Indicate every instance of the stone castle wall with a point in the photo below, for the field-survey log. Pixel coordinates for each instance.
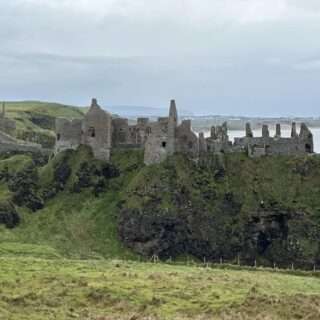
(187, 141)
(266, 145)
(166, 136)
(68, 134)
(156, 146)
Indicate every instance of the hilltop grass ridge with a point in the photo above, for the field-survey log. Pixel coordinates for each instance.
(35, 120)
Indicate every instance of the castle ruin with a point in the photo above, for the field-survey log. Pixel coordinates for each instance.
(166, 136)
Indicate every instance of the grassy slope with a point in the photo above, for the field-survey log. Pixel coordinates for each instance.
(82, 225)
(76, 224)
(13, 109)
(24, 111)
(268, 179)
(33, 288)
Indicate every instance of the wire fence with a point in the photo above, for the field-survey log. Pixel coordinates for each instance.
(297, 267)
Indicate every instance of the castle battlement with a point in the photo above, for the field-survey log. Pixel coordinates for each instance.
(166, 136)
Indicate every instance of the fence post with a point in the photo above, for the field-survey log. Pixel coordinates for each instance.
(221, 260)
(292, 266)
(255, 263)
(238, 260)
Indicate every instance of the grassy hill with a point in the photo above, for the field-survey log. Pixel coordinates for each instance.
(35, 119)
(264, 210)
(63, 224)
(75, 220)
(74, 232)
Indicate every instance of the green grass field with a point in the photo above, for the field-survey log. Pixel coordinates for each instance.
(50, 287)
(15, 108)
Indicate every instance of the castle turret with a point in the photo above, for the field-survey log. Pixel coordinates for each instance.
(249, 133)
(172, 125)
(278, 130)
(265, 131)
(202, 144)
(213, 133)
(173, 113)
(94, 103)
(224, 131)
(294, 130)
(219, 132)
(306, 137)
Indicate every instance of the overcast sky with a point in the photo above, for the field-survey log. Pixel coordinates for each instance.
(246, 57)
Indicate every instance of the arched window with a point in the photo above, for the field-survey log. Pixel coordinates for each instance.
(164, 144)
(58, 136)
(190, 145)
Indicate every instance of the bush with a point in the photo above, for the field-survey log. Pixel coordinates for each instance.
(24, 186)
(8, 214)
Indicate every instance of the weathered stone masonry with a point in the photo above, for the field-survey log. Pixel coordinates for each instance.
(166, 136)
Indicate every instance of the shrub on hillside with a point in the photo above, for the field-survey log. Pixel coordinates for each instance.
(24, 186)
(8, 214)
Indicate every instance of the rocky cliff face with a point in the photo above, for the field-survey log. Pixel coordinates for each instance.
(230, 209)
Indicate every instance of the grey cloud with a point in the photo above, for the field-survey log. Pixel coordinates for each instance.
(147, 55)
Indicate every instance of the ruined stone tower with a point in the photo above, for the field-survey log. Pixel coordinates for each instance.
(172, 125)
(161, 141)
(167, 138)
(96, 131)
